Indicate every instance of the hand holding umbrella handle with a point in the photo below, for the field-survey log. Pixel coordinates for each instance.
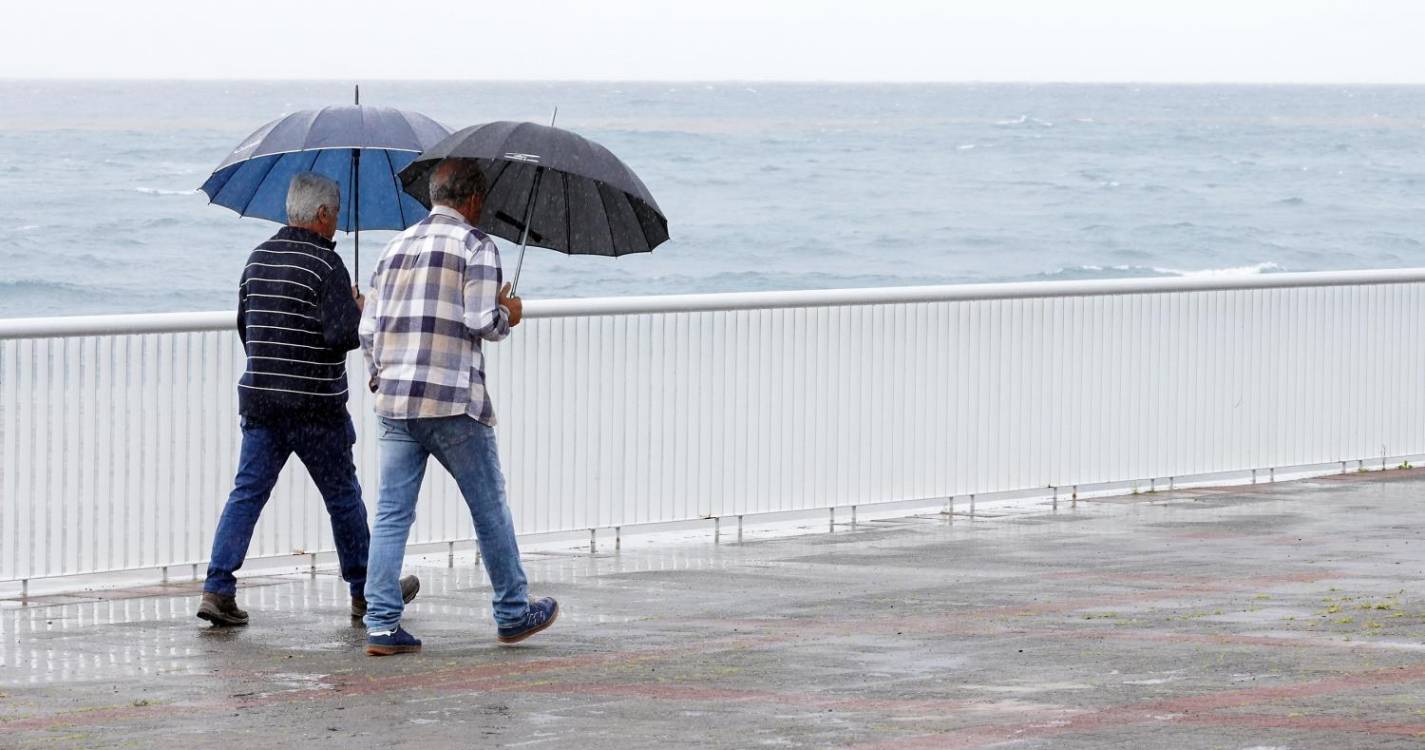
(507, 299)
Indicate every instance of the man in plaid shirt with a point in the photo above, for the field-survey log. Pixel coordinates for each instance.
(435, 295)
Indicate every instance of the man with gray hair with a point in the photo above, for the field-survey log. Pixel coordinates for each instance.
(297, 318)
(436, 294)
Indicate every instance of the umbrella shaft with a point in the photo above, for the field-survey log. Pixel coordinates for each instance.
(356, 209)
(524, 234)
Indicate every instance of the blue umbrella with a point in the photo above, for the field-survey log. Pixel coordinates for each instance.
(362, 148)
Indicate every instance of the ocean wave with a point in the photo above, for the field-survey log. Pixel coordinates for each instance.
(44, 290)
(1249, 270)
(1025, 120)
(1090, 271)
(163, 191)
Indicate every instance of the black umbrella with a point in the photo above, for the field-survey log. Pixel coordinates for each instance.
(550, 188)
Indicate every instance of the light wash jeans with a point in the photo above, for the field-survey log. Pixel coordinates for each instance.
(466, 448)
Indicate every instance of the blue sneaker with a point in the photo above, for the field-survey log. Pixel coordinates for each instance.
(541, 615)
(390, 642)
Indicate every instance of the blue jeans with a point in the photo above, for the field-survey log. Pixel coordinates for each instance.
(325, 449)
(466, 448)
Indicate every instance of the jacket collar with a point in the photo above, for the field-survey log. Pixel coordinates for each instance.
(297, 234)
(448, 212)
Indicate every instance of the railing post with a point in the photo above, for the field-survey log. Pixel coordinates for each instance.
(739, 529)
(853, 516)
(450, 555)
(1074, 503)
(972, 506)
(717, 530)
(1056, 496)
(593, 541)
(618, 537)
(831, 527)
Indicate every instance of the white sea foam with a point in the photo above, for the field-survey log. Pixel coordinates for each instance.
(162, 191)
(965, 147)
(1255, 268)
(1026, 120)
(1081, 271)
(25, 228)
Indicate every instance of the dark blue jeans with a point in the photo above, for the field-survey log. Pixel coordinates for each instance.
(325, 449)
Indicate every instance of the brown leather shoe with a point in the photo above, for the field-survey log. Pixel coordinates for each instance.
(410, 586)
(221, 610)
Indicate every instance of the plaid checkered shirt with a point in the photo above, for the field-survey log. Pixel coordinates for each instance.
(432, 300)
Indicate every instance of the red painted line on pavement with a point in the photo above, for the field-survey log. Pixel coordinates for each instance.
(1308, 723)
(693, 694)
(1195, 709)
(477, 677)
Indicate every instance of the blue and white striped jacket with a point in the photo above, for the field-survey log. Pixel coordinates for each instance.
(297, 320)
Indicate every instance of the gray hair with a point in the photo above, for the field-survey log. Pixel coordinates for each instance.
(307, 194)
(454, 181)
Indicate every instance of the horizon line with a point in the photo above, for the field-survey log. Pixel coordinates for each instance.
(709, 81)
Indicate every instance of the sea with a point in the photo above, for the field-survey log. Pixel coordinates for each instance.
(765, 186)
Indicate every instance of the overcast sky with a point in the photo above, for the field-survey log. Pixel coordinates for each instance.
(1380, 41)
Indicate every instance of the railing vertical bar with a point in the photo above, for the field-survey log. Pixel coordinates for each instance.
(9, 460)
(42, 500)
(86, 498)
(688, 371)
(704, 466)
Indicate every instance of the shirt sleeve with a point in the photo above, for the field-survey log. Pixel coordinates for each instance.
(242, 311)
(366, 330)
(484, 315)
(339, 312)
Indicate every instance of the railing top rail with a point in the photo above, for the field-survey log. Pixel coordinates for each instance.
(105, 325)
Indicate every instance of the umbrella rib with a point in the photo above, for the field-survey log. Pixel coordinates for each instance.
(416, 139)
(258, 188)
(639, 219)
(568, 215)
(608, 220)
(396, 183)
(504, 167)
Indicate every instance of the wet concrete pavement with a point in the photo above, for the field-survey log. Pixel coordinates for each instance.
(1281, 616)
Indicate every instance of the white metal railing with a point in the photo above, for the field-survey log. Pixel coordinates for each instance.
(118, 434)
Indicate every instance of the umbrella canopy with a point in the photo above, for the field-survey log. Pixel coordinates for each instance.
(572, 194)
(354, 145)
